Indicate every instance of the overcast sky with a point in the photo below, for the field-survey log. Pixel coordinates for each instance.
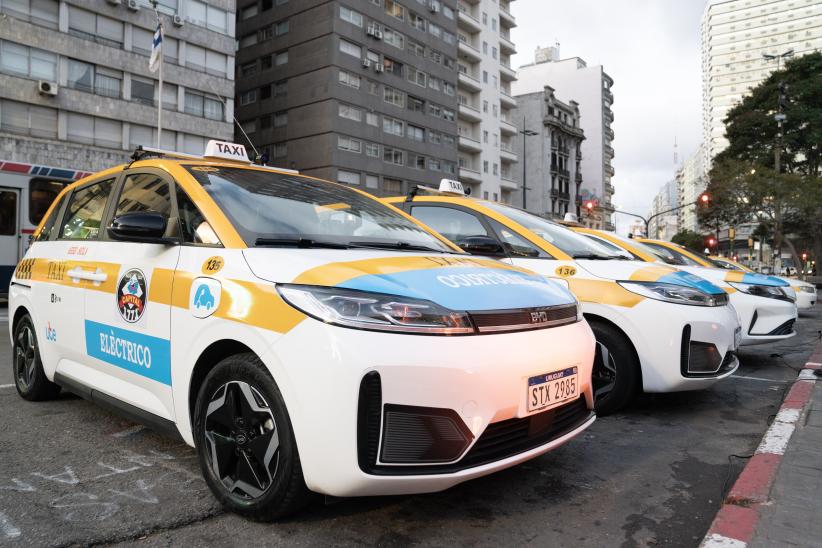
(651, 50)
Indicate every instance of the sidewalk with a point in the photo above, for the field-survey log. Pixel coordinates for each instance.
(777, 498)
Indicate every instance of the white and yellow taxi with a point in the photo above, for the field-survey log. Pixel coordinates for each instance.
(302, 335)
(765, 304)
(658, 329)
(806, 294)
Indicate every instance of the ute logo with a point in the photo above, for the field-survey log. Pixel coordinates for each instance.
(132, 295)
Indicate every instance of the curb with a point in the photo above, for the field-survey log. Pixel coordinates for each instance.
(736, 521)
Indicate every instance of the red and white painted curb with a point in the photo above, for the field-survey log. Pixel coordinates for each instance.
(736, 521)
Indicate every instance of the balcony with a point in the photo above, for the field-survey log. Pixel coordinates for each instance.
(609, 133)
(507, 127)
(609, 170)
(468, 112)
(608, 96)
(507, 183)
(467, 80)
(554, 193)
(506, 46)
(505, 17)
(507, 154)
(467, 142)
(468, 51)
(608, 151)
(506, 100)
(470, 175)
(506, 73)
(578, 178)
(608, 188)
(467, 18)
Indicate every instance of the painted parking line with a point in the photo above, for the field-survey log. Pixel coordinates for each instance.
(759, 379)
(6, 386)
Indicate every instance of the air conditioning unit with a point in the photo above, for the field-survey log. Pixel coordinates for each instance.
(379, 67)
(133, 5)
(47, 88)
(366, 63)
(378, 35)
(372, 30)
(434, 8)
(177, 19)
(115, 2)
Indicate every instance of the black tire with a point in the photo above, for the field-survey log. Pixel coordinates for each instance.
(615, 385)
(241, 440)
(29, 377)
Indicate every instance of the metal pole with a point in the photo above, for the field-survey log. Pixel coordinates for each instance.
(524, 156)
(160, 99)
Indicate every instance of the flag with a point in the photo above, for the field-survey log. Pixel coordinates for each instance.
(156, 49)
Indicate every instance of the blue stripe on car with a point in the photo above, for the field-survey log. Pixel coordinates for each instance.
(691, 280)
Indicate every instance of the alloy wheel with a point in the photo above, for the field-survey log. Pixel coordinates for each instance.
(603, 375)
(25, 358)
(243, 441)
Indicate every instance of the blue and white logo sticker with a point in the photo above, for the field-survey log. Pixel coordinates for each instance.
(142, 354)
(204, 298)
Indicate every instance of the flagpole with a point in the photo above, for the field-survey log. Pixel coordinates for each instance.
(160, 91)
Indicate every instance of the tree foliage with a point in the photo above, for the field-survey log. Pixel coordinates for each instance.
(689, 238)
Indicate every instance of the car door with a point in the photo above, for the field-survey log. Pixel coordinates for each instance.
(127, 316)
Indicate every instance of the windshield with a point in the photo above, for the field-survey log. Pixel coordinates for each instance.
(278, 209)
(722, 264)
(612, 247)
(670, 256)
(575, 245)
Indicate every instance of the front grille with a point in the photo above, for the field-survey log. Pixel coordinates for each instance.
(525, 318)
(504, 439)
(416, 435)
(784, 329)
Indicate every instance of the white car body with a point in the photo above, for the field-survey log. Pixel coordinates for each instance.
(196, 300)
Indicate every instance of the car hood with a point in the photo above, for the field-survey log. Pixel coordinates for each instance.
(638, 271)
(753, 278)
(455, 281)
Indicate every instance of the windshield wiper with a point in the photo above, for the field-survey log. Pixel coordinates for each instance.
(302, 243)
(405, 246)
(595, 256)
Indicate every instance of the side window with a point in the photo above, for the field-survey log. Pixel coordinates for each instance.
(42, 193)
(48, 226)
(193, 225)
(451, 223)
(8, 213)
(515, 245)
(85, 211)
(144, 192)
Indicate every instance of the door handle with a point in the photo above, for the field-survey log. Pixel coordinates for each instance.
(80, 274)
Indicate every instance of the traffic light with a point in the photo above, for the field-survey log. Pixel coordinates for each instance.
(711, 241)
(804, 256)
(589, 206)
(704, 199)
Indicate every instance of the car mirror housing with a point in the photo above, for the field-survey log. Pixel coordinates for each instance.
(146, 227)
(481, 245)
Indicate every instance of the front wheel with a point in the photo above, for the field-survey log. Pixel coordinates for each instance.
(616, 370)
(29, 377)
(245, 443)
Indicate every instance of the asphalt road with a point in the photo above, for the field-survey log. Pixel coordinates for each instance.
(72, 473)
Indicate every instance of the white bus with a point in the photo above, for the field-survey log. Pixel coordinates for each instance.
(26, 192)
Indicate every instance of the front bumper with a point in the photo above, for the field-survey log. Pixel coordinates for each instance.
(805, 300)
(764, 320)
(480, 380)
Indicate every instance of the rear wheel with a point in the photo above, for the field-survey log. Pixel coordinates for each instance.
(616, 369)
(245, 443)
(29, 377)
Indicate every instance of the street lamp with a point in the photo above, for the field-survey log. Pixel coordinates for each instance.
(525, 133)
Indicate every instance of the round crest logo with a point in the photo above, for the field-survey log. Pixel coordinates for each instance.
(132, 295)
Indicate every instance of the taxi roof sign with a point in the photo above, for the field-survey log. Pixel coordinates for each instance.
(450, 186)
(226, 151)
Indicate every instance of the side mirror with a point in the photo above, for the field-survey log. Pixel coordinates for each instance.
(147, 227)
(481, 245)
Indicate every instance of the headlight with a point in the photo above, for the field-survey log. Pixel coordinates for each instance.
(377, 311)
(807, 289)
(769, 291)
(672, 293)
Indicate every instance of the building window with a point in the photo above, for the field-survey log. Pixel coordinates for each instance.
(142, 90)
(265, 92)
(485, 170)
(281, 58)
(353, 17)
(249, 126)
(97, 28)
(204, 15)
(281, 27)
(25, 61)
(280, 150)
(415, 133)
(416, 48)
(248, 97)
(281, 118)
(394, 97)
(350, 48)
(415, 104)
(372, 149)
(281, 88)
(496, 172)
(28, 119)
(417, 21)
(393, 156)
(395, 9)
(392, 66)
(248, 69)
(348, 177)
(392, 186)
(417, 76)
(265, 122)
(40, 12)
(484, 136)
(434, 164)
(485, 106)
(494, 52)
(94, 131)
(372, 119)
(434, 30)
(249, 12)
(416, 161)
(350, 112)
(200, 105)
(393, 38)
(485, 77)
(393, 126)
(372, 181)
(349, 79)
(349, 144)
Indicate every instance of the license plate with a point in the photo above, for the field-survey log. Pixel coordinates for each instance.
(551, 389)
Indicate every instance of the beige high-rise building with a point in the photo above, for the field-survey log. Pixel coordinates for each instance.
(735, 35)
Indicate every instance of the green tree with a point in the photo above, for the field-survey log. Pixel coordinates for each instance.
(744, 184)
(690, 239)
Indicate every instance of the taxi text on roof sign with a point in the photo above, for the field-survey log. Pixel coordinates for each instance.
(450, 186)
(226, 151)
